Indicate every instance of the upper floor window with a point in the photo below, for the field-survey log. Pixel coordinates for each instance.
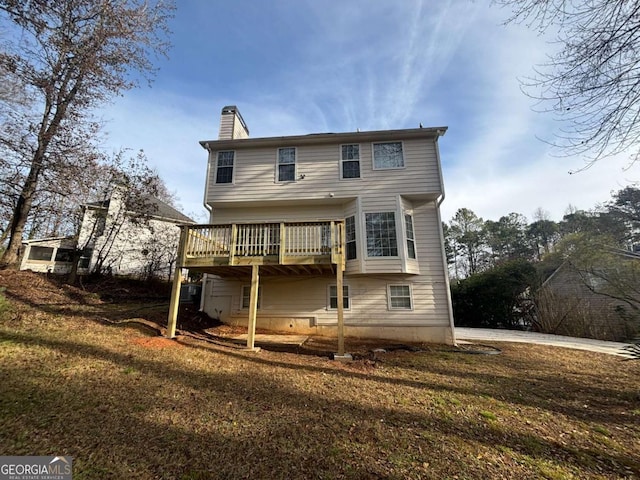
(381, 234)
(411, 241)
(350, 161)
(286, 164)
(350, 237)
(387, 155)
(224, 167)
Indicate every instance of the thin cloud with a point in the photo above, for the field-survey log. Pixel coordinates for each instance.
(307, 67)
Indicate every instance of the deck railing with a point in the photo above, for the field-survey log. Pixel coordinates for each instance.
(286, 242)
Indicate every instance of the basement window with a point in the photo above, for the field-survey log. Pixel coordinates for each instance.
(246, 297)
(399, 297)
(333, 297)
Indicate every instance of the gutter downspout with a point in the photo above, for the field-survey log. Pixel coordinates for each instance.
(205, 277)
(444, 255)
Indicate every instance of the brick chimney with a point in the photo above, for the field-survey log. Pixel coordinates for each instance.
(232, 125)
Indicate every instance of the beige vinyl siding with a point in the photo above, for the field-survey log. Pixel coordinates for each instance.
(428, 250)
(255, 175)
(291, 213)
(226, 127)
(238, 130)
(307, 297)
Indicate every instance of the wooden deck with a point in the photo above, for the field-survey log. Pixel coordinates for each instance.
(258, 249)
(282, 248)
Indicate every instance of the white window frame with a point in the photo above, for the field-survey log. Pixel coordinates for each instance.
(389, 306)
(342, 160)
(295, 165)
(413, 235)
(233, 168)
(248, 296)
(395, 233)
(355, 238)
(348, 297)
(373, 156)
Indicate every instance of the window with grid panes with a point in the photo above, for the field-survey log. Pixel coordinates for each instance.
(381, 234)
(350, 159)
(333, 297)
(286, 164)
(224, 167)
(350, 237)
(411, 241)
(399, 297)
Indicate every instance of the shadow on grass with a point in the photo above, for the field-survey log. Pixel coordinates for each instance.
(118, 427)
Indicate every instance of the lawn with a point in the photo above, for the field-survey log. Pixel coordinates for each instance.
(127, 404)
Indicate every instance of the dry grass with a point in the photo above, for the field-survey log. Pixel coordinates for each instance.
(126, 404)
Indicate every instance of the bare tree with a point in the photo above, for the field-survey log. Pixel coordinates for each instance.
(69, 56)
(592, 83)
(120, 217)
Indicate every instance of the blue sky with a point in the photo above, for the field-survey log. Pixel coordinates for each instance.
(308, 66)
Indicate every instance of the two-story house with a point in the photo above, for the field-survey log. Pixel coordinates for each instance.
(139, 243)
(301, 215)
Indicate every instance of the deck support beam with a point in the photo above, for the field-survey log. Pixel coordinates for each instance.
(253, 307)
(175, 302)
(340, 293)
(177, 284)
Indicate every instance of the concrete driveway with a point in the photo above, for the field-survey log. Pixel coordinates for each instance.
(490, 335)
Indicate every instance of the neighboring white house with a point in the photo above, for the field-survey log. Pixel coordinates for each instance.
(124, 242)
(299, 207)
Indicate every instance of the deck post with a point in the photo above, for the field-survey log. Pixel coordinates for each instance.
(177, 283)
(253, 307)
(175, 302)
(338, 236)
(340, 293)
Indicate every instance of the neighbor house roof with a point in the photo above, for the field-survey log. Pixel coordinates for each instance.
(567, 263)
(47, 239)
(160, 209)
